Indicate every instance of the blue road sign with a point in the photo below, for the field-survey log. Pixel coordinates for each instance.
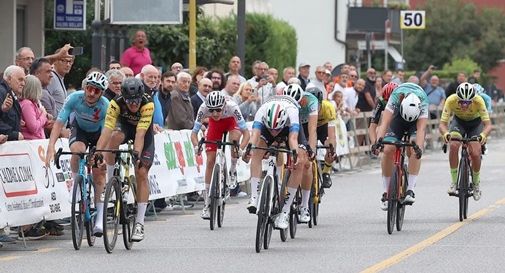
(70, 14)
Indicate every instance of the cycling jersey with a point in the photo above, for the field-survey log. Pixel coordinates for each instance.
(230, 109)
(142, 119)
(288, 103)
(402, 91)
(308, 107)
(327, 114)
(488, 101)
(88, 118)
(477, 109)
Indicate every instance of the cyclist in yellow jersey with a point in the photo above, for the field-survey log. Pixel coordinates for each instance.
(326, 122)
(470, 119)
(129, 117)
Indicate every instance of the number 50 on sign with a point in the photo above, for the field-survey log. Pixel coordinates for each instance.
(412, 19)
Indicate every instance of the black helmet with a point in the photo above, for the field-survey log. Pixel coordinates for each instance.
(132, 88)
(316, 92)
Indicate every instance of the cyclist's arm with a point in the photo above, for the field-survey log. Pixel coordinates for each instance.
(110, 124)
(387, 116)
(293, 140)
(372, 132)
(332, 138)
(255, 136)
(313, 132)
(487, 127)
(421, 131)
(146, 117)
(443, 128)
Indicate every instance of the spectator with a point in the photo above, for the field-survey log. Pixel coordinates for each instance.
(56, 87)
(328, 65)
(204, 88)
(114, 65)
(341, 85)
(149, 76)
(379, 83)
(287, 73)
(198, 74)
(303, 74)
(232, 86)
(387, 77)
(128, 72)
(451, 89)
(41, 68)
(351, 96)
(353, 77)
(399, 78)
(338, 102)
(115, 78)
(318, 82)
(11, 88)
(35, 117)
(366, 95)
(435, 93)
(234, 67)
(247, 101)
(475, 78)
(176, 68)
(217, 78)
(413, 79)
(255, 71)
(168, 82)
(273, 75)
(138, 55)
(25, 58)
(180, 115)
(264, 88)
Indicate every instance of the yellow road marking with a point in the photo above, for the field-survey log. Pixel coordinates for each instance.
(430, 240)
(9, 258)
(45, 250)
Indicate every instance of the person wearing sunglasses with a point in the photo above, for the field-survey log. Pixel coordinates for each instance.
(471, 119)
(224, 116)
(130, 117)
(88, 108)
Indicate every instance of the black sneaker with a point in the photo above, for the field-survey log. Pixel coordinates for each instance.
(410, 197)
(326, 181)
(33, 234)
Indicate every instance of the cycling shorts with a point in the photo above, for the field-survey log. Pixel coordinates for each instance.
(88, 138)
(469, 128)
(322, 132)
(129, 131)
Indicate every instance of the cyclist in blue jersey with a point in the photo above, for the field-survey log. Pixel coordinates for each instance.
(89, 108)
(487, 99)
(309, 106)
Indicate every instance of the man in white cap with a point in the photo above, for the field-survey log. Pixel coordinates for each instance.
(303, 74)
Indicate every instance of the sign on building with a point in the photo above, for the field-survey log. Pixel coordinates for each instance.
(70, 14)
(127, 12)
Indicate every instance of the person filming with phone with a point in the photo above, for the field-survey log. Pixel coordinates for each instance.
(436, 94)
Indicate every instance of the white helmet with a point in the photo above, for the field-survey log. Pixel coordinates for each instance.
(410, 108)
(275, 117)
(293, 90)
(214, 99)
(97, 80)
(465, 91)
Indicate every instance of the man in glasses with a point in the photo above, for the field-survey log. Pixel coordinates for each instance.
(130, 117)
(224, 116)
(89, 108)
(471, 119)
(318, 82)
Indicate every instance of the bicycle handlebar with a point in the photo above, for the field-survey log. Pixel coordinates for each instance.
(464, 140)
(60, 152)
(274, 151)
(219, 143)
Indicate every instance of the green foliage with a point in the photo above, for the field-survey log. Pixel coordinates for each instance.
(466, 65)
(456, 30)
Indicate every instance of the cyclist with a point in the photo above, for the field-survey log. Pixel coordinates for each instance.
(377, 112)
(326, 122)
(88, 109)
(406, 114)
(277, 121)
(129, 117)
(224, 116)
(479, 90)
(470, 115)
(308, 118)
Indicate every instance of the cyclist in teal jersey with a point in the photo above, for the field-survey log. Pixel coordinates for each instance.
(487, 99)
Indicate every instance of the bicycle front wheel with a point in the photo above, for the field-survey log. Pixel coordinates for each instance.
(463, 189)
(282, 196)
(262, 215)
(400, 211)
(78, 213)
(112, 205)
(293, 215)
(392, 201)
(271, 200)
(214, 196)
(129, 215)
(90, 237)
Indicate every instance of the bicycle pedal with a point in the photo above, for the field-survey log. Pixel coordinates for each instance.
(454, 194)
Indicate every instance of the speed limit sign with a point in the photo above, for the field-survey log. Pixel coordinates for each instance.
(412, 19)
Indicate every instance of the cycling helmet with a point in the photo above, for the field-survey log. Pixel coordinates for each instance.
(316, 92)
(275, 117)
(388, 89)
(97, 80)
(465, 91)
(478, 88)
(132, 88)
(215, 99)
(410, 108)
(294, 90)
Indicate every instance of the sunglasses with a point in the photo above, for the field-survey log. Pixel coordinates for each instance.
(133, 101)
(216, 110)
(94, 90)
(465, 102)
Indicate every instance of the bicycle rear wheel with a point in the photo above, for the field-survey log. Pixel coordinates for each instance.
(269, 225)
(78, 210)
(315, 200)
(262, 216)
(112, 208)
(463, 189)
(392, 201)
(129, 215)
(400, 211)
(214, 196)
(282, 194)
(90, 237)
(221, 205)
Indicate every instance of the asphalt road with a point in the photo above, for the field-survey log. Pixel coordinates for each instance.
(351, 235)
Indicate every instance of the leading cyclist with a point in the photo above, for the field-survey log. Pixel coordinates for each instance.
(471, 119)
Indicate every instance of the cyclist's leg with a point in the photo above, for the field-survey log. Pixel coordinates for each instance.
(256, 164)
(118, 136)
(394, 133)
(457, 131)
(306, 182)
(99, 181)
(215, 132)
(295, 179)
(234, 135)
(77, 144)
(475, 154)
(326, 134)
